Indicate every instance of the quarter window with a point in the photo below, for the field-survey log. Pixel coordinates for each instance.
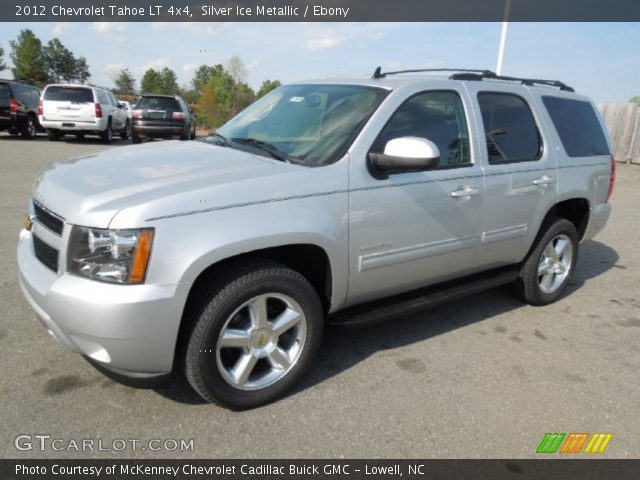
(510, 130)
(578, 127)
(438, 117)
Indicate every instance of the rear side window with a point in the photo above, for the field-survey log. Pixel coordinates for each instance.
(158, 103)
(5, 94)
(510, 129)
(69, 94)
(578, 127)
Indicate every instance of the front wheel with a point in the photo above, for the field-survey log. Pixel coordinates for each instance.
(30, 130)
(126, 132)
(549, 266)
(254, 336)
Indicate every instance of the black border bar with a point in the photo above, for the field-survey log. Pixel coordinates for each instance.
(320, 10)
(547, 468)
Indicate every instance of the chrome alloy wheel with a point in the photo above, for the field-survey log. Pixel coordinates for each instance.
(261, 341)
(555, 264)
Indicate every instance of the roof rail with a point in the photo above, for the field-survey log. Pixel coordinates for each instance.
(380, 74)
(470, 74)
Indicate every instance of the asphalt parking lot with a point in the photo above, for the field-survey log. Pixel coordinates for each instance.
(486, 377)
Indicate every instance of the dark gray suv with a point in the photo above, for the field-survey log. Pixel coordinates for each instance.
(162, 116)
(19, 108)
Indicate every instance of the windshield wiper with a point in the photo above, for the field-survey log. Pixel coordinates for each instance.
(263, 146)
(219, 139)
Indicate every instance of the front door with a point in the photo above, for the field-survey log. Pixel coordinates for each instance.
(414, 229)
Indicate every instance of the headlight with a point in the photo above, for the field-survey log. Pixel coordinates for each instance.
(116, 256)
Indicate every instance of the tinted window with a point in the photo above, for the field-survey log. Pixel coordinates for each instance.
(158, 103)
(5, 94)
(69, 94)
(510, 129)
(578, 127)
(436, 116)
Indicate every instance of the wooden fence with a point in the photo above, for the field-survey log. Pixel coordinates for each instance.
(623, 122)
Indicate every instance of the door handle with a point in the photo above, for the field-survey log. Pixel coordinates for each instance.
(543, 180)
(465, 191)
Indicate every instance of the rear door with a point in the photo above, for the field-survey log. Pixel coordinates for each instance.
(159, 111)
(520, 172)
(68, 103)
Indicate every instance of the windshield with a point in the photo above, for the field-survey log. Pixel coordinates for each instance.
(308, 124)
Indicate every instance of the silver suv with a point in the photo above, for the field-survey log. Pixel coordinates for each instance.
(348, 200)
(82, 110)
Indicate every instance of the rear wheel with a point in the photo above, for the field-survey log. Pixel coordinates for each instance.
(53, 135)
(549, 266)
(80, 136)
(30, 129)
(107, 134)
(185, 133)
(135, 138)
(253, 336)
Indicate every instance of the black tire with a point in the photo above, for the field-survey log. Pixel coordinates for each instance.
(107, 135)
(80, 136)
(30, 129)
(192, 136)
(135, 139)
(185, 134)
(243, 284)
(54, 135)
(126, 133)
(530, 287)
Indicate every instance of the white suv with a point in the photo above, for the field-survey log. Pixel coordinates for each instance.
(81, 110)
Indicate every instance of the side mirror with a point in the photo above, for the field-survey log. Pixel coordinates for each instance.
(405, 154)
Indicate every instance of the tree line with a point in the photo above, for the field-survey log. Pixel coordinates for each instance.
(218, 91)
(41, 63)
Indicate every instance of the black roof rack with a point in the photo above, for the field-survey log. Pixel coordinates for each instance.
(478, 75)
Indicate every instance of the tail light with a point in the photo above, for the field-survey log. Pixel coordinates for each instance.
(13, 106)
(613, 179)
(136, 114)
(98, 110)
(178, 116)
(41, 109)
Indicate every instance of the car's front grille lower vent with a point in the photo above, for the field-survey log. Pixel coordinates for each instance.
(48, 219)
(46, 254)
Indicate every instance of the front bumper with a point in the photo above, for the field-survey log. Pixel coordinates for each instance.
(128, 329)
(598, 218)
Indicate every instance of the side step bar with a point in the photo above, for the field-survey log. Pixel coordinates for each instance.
(404, 304)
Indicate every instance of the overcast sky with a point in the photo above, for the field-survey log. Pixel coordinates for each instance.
(601, 60)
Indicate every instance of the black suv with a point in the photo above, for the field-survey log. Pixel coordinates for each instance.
(19, 104)
(162, 116)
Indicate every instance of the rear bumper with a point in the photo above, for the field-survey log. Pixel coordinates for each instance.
(13, 122)
(75, 125)
(157, 131)
(598, 218)
(130, 330)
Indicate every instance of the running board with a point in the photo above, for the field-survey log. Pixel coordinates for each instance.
(418, 300)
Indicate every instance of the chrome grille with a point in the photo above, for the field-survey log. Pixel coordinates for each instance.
(48, 219)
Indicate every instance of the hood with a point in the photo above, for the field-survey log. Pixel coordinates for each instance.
(91, 189)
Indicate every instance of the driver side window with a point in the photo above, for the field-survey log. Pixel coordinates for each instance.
(437, 116)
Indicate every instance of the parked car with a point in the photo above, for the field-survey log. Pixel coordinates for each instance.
(162, 116)
(347, 200)
(19, 108)
(81, 110)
